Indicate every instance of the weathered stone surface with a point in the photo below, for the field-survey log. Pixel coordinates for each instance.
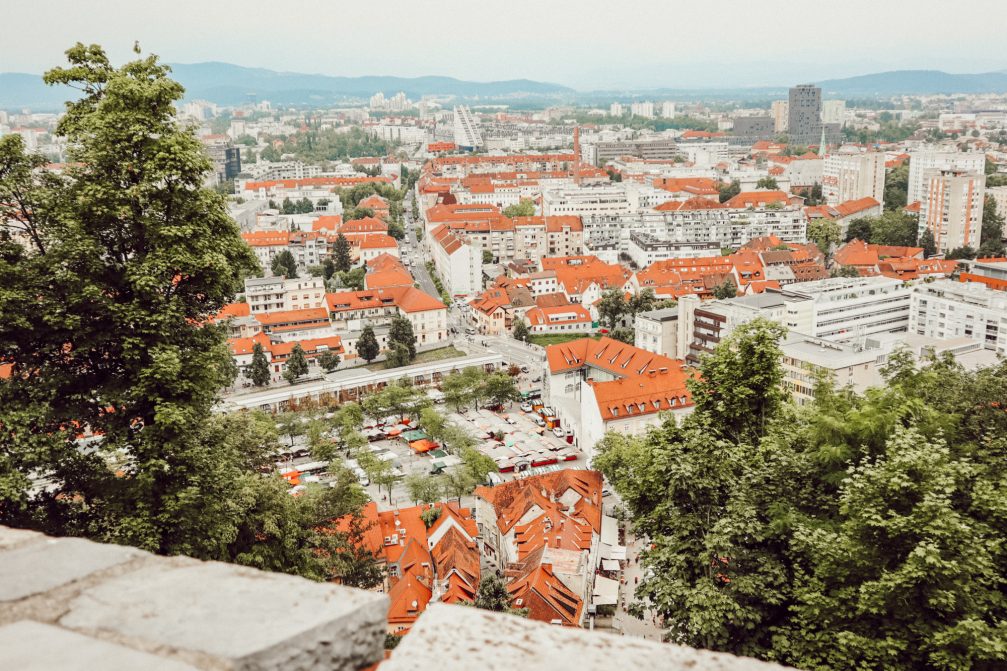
(33, 646)
(38, 567)
(252, 619)
(457, 638)
(11, 537)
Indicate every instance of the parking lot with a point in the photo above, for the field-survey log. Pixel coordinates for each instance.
(513, 438)
(519, 443)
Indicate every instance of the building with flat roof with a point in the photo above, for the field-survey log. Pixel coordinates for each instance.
(657, 331)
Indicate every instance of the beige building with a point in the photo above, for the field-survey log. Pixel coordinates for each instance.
(657, 332)
(952, 208)
(852, 176)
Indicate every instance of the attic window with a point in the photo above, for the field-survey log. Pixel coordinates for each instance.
(615, 411)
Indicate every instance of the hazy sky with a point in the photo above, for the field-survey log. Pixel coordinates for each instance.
(585, 44)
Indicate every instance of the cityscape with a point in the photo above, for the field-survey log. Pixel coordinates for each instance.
(428, 368)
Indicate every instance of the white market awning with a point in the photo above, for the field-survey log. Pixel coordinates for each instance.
(606, 591)
(610, 565)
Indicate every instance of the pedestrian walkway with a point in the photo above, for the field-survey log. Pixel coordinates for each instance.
(632, 573)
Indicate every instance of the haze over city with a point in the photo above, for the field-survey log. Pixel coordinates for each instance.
(528, 336)
(599, 44)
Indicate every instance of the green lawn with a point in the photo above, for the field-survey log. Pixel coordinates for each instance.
(425, 357)
(546, 339)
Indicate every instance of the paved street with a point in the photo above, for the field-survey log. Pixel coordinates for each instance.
(623, 621)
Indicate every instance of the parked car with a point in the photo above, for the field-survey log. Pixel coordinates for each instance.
(558, 432)
(526, 407)
(470, 331)
(539, 421)
(525, 369)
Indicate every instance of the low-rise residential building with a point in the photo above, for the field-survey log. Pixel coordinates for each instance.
(606, 385)
(657, 331)
(459, 263)
(945, 309)
(352, 310)
(273, 294)
(559, 319)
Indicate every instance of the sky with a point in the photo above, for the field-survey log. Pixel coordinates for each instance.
(587, 44)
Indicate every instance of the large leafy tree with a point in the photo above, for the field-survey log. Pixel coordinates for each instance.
(856, 532)
(400, 332)
(296, 366)
(110, 274)
(992, 233)
(258, 371)
(367, 344)
(284, 264)
(611, 307)
(341, 254)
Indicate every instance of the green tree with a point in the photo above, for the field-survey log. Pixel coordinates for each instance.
(296, 366)
(329, 361)
(641, 302)
(463, 387)
(859, 229)
(626, 335)
(492, 594)
(825, 233)
(341, 254)
(611, 307)
(767, 183)
(487, 256)
(123, 344)
(367, 344)
(433, 423)
(991, 235)
(285, 264)
(740, 383)
(521, 330)
(965, 252)
(897, 187)
(400, 332)
(857, 532)
(526, 208)
(500, 389)
(726, 289)
(477, 464)
(397, 356)
(423, 488)
(379, 471)
(928, 243)
(258, 371)
(291, 425)
(729, 191)
(844, 271)
(288, 207)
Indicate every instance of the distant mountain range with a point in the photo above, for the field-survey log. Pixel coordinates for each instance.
(916, 82)
(227, 84)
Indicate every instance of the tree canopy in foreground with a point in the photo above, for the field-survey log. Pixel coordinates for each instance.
(109, 276)
(857, 532)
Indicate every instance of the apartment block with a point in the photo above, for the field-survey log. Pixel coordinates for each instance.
(946, 309)
(951, 208)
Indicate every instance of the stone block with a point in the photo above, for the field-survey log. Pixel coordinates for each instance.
(33, 646)
(459, 638)
(11, 537)
(234, 617)
(38, 567)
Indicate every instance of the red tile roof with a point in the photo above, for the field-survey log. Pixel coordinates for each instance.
(647, 383)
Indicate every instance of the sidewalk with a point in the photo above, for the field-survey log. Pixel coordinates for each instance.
(623, 621)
